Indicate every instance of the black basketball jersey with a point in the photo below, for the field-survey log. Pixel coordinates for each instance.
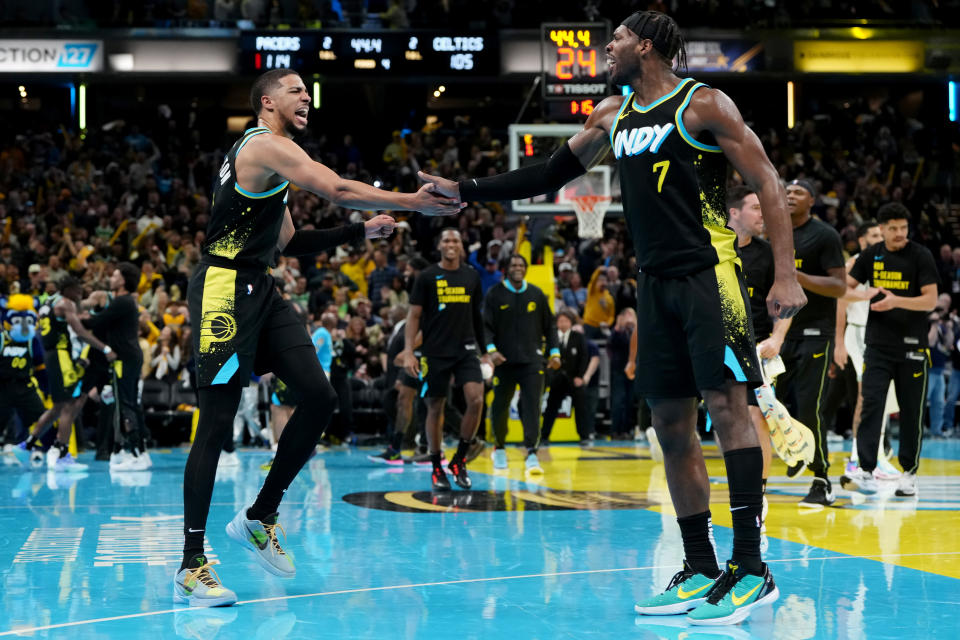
(244, 226)
(673, 187)
(54, 332)
(16, 358)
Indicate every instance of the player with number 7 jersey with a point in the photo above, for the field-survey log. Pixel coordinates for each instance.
(672, 139)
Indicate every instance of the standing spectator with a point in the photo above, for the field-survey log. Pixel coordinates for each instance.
(621, 387)
(598, 311)
(941, 338)
(568, 379)
(591, 385)
(489, 274)
(953, 384)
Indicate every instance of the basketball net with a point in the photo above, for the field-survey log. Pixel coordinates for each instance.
(590, 210)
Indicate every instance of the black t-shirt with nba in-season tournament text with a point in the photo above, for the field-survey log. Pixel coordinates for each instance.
(452, 320)
(902, 273)
(817, 249)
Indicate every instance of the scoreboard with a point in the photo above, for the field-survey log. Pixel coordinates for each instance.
(574, 68)
(425, 54)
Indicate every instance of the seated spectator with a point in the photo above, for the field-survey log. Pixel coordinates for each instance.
(165, 356)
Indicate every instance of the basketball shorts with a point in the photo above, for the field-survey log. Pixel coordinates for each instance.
(63, 375)
(695, 333)
(283, 396)
(240, 322)
(436, 373)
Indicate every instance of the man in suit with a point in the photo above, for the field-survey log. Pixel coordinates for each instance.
(568, 379)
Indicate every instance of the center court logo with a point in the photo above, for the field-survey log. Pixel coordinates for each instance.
(217, 326)
(480, 501)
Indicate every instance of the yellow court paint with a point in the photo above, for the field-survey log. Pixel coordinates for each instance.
(917, 533)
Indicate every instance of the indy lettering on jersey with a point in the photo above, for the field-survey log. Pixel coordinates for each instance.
(632, 142)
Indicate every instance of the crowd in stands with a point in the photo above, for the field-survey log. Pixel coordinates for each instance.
(73, 205)
(402, 14)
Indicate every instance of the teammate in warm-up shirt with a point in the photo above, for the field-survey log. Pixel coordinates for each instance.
(903, 276)
(446, 305)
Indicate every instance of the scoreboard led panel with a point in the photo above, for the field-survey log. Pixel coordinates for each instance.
(384, 53)
(574, 68)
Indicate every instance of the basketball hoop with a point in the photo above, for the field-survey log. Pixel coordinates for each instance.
(590, 210)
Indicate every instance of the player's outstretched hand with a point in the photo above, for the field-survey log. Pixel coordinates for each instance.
(785, 299)
(444, 187)
(430, 202)
(380, 226)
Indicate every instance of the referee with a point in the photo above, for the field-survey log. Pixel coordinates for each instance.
(808, 348)
(517, 322)
(904, 278)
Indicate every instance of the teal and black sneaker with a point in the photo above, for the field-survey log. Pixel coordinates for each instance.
(260, 537)
(199, 586)
(686, 590)
(734, 595)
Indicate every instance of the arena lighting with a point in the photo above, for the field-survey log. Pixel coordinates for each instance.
(82, 120)
(952, 100)
(441, 88)
(436, 94)
(377, 184)
(790, 113)
(316, 95)
(73, 100)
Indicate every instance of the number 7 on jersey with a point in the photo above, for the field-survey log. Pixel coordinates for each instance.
(663, 167)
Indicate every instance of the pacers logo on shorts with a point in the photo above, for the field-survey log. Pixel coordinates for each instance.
(423, 367)
(216, 326)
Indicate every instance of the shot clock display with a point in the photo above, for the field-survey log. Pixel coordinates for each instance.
(574, 68)
(386, 53)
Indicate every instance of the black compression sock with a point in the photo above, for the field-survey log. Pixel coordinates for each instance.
(64, 449)
(192, 547)
(437, 458)
(698, 544)
(462, 450)
(763, 484)
(744, 468)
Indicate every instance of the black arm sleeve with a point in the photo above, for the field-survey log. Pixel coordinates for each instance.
(489, 322)
(561, 168)
(477, 301)
(308, 242)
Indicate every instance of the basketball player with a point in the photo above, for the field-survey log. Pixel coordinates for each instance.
(519, 327)
(672, 139)
(746, 219)
(56, 317)
(905, 277)
(244, 324)
(446, 305)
